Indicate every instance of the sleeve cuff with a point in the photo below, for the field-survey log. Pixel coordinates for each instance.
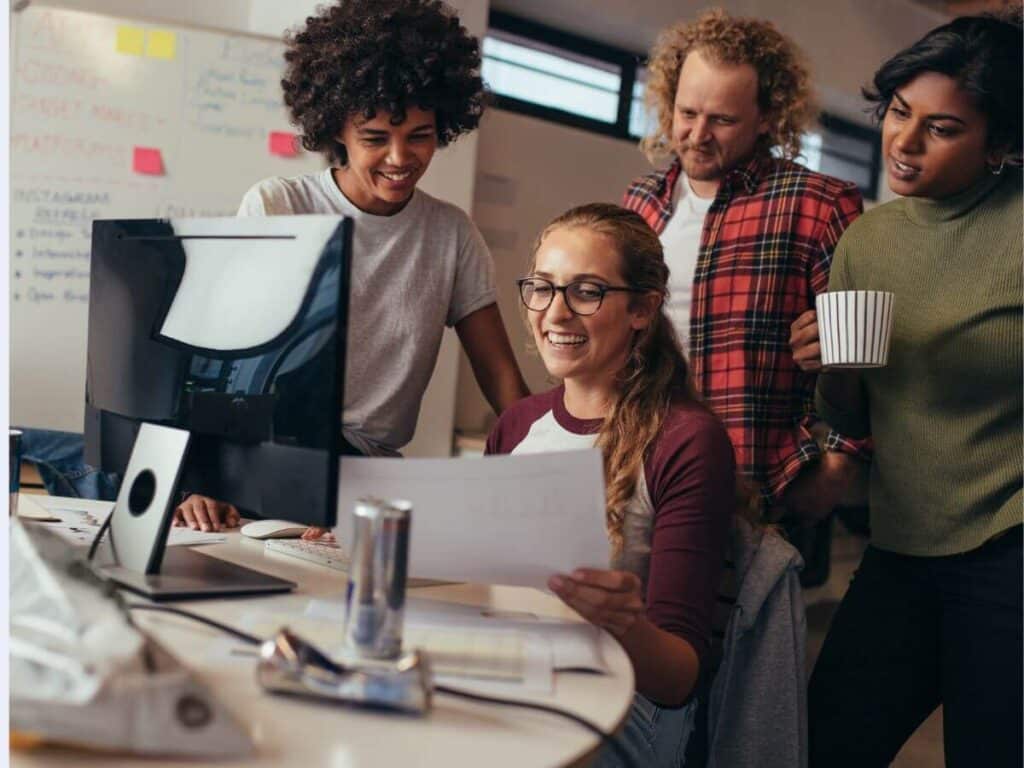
(803, 451)
(862, 448)
(484, 300)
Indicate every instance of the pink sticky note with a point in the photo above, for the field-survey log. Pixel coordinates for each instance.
(148, 160)
(283, 144)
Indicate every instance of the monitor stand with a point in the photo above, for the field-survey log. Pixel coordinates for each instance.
(140, 523)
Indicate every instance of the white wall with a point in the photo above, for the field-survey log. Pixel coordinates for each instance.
(232, 15)
(451, 175)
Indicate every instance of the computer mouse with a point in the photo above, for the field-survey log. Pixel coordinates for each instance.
(272, 529)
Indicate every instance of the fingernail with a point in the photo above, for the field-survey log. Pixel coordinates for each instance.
(206, 527)
(557, 583)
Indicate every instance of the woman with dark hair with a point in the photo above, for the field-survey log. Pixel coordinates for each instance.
(934, 613)
(594, 297)
(377, 86)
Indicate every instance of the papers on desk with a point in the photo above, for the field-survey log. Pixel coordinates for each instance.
(465, 641)
(504, 654)
(501, 520)
(79, 520)
(485, 661)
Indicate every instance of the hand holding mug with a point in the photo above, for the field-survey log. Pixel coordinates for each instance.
(803, 340)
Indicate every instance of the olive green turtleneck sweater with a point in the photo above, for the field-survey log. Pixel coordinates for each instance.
(946, 412)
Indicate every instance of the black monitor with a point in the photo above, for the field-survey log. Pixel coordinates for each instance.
(225, 337)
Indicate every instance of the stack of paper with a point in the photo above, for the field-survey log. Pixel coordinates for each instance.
(475, 643)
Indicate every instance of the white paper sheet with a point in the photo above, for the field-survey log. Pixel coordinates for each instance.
(498, 520)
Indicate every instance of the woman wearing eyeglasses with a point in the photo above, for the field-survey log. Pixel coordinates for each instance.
(594, 296)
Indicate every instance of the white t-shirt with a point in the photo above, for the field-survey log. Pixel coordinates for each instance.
(681, 241)
(413, 273)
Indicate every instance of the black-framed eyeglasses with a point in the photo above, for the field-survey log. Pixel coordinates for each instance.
(583, 297)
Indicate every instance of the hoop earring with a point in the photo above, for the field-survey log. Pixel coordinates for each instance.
(999, 170)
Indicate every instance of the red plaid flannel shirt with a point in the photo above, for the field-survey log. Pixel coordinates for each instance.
(765, 253)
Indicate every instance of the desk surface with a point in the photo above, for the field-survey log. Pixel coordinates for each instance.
(290, 732)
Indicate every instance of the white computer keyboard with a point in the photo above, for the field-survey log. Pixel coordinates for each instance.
(322, 553)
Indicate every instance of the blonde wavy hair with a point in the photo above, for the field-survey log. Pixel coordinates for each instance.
(783, 82)
(656, 373)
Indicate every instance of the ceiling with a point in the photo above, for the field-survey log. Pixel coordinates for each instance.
(634, 25)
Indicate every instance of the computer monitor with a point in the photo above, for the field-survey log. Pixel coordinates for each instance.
(226, 337)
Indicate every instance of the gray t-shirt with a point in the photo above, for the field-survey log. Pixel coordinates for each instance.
(413, 273)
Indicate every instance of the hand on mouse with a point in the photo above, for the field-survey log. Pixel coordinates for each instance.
(206, 514)
(317, 534)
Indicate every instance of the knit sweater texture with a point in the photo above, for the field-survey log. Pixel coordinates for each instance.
(946, 412)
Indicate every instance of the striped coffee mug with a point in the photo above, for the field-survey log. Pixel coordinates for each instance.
(854, 328)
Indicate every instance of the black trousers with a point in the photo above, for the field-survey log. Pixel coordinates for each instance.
(915, 632)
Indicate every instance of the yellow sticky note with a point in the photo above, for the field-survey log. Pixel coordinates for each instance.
(129, 40)
(160, 44)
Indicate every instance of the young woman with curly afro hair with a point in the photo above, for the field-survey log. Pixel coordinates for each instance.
(377, 86)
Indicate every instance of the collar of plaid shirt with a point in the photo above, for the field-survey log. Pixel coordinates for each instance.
(765, 252)
(657, 192)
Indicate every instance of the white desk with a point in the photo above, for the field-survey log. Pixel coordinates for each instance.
(291, 732)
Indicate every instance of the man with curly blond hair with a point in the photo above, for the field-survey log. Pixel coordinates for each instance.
(748, 235)
(378, 86)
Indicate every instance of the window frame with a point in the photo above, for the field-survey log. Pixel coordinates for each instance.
(626, 61)
(873, 135)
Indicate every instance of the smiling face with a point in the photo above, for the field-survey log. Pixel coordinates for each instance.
(385, 161)
(585, 351)
(933, 138)
(716, 121)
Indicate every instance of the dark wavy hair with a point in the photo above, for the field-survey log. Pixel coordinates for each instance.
(359, 56)
(983, 54)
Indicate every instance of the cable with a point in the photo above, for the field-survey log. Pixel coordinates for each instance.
(607, 739)
(98, 537)
(243, 636)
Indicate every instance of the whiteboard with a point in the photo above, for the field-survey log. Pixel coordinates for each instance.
(87, 91)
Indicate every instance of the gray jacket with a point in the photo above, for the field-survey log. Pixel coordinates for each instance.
(757, 711)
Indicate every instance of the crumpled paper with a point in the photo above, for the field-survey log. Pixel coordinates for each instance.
(82, 674)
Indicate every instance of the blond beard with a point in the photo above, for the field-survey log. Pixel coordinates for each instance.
(704, 172)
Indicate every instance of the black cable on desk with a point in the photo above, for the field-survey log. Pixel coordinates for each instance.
(243, 636)
(606, 738)
(99, 536)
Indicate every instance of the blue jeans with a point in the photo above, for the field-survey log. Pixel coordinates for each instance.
(60, 459)
(655, 737)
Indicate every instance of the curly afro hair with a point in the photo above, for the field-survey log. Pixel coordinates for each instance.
(357, 56)
(783, 83)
